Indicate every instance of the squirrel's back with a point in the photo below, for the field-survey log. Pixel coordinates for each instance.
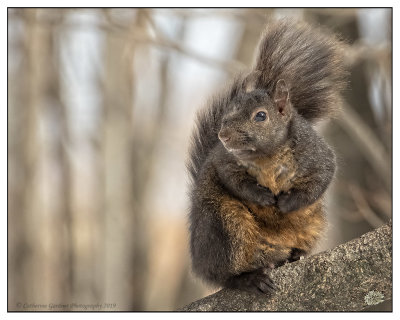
(308, 59)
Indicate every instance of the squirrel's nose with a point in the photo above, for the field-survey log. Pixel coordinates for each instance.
(223, 137)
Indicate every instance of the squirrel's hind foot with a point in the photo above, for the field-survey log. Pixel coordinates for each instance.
(257, 281)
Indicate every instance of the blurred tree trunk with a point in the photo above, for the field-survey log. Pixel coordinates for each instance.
(62, 261)
(40, 252)
(23, 156)
(125, 253)
(253, 21)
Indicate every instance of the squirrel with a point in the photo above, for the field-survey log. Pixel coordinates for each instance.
(258, 168)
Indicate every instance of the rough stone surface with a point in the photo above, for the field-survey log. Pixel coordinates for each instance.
(340, 279)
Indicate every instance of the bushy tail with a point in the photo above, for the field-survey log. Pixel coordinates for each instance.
(309, 60)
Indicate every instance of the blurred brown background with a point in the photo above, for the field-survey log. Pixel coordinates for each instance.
(101, 104)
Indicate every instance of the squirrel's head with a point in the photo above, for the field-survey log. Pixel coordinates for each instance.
(257, 123)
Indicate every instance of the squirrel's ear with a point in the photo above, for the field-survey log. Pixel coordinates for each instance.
(250, 82)
(281, 96)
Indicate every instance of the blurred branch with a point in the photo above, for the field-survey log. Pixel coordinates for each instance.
(378, 199)
(230, 66)
(383, 201)
(367, 142)
(363, 51)
(219, 13)
(336, 12)
(350, 277)
(359, 199)
(336, 18)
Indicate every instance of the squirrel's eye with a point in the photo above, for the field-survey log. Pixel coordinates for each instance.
(260, 116)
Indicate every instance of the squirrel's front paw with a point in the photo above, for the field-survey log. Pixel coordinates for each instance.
(264, 196)
(287, 202)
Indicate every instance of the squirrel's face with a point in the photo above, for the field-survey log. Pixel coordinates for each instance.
(256, 124)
